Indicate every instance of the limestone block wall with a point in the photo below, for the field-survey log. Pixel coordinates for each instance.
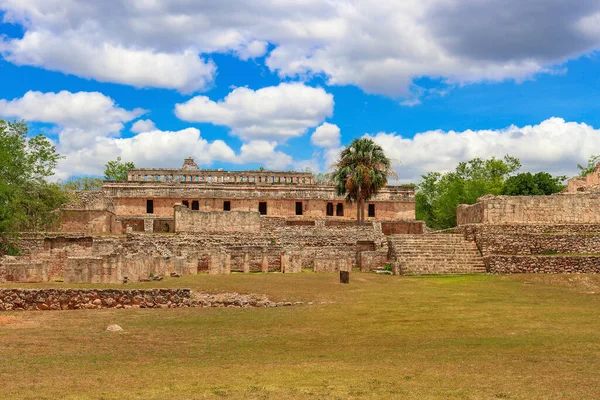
(526, 244)
(584, 183)
(537, 248)
(543, 264)
(72, 299)
(555, 209)
(187, 220)
(23, 269)
(470, 214)
(90, 200)
(89, 221)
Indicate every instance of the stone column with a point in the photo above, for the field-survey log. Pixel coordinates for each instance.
(213, 269)
(246, 263)
(283, 260)
(265, 263)
(227, 264)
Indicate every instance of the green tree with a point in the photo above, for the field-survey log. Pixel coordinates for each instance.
(82, 183)
(438, 194)
(28, 202)
(527, 184)
(361, 171)
(319, 178)
(117, 170)
(590, 167)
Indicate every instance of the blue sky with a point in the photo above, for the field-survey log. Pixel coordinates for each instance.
(285, 86)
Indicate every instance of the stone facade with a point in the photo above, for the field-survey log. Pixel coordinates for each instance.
(555, 209)
(146, 201)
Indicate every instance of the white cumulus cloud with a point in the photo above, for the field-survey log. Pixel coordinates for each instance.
(554, 146)
(273, 113)
(143, 125)
(380, 46)
(326, 135)
(81, 117)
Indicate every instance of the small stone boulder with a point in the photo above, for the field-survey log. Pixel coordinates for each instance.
(114, 328)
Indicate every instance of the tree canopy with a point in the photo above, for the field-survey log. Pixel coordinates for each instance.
(28, 202)
(361, 171)
(590, 167)
(117, 170)
(528, 184)
(438, 194)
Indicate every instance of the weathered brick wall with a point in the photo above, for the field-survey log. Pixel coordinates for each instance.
(555, 209)
(71, 299)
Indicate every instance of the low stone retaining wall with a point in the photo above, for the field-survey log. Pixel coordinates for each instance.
(73, 299)
(499, 264)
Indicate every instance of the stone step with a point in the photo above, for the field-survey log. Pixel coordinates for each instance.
(435, 254)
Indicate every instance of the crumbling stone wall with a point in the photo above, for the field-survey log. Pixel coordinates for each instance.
(543, 264)
(89, 211)
(555, 209)
(536, 248)
(187, 220)
(276, 246)
(588, 183)
(72, 299)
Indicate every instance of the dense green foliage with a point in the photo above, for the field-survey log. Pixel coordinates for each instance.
(117, 170)
(528, 184)
(27, 201)
(83, 183)
(590, 167)
(439, 194)
(360, 172)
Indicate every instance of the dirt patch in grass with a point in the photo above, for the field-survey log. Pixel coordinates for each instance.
(9, 320)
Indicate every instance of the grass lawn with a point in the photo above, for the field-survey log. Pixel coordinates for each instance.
(381, 337)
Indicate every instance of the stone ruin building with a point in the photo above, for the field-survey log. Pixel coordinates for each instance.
(190, 221)
(540, 234)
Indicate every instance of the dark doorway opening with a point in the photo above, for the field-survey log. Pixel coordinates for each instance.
(262, 208)
(149, 206)
(195, 205)
(329, 209)
(186, 203)
(226, 206)
(298, 208)
(339, 210)
(372, 210)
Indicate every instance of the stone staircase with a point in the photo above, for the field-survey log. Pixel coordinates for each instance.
(434, 254)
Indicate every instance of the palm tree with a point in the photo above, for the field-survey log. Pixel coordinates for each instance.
(360, 172)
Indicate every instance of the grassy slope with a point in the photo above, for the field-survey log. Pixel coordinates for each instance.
(459, 337)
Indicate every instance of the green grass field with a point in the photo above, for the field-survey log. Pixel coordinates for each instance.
(381, 337)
